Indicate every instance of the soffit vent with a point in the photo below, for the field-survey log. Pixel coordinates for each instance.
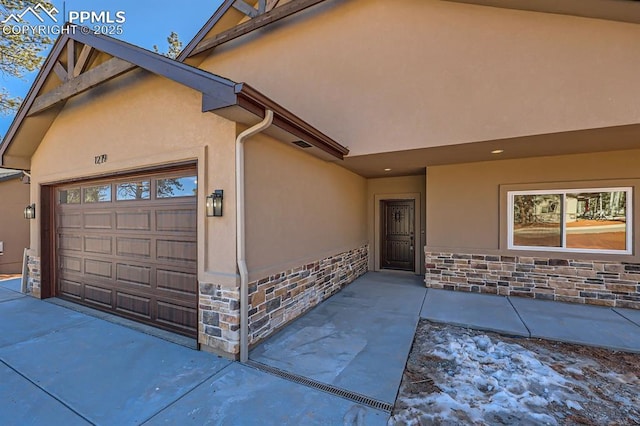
(302, 144)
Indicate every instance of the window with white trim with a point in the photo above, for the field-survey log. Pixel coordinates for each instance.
(573, 220)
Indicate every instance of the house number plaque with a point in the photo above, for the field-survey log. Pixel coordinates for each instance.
(100, 159)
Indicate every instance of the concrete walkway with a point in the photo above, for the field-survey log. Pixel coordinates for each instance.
(358, 340)
(341, 363)
(612, 328)
(61, 366)
(355, 344)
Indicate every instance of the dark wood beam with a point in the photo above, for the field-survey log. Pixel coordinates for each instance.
(71, 57)
(83, 60)
(103, 72)
(243, 7)
(271, 4)
(260, 21)
(62, 73)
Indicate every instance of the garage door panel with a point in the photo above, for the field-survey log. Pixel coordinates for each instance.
(70, 242)
(98, 244)
(133, 274)
(98, 220)
(181, 317)
(134, 256)
(71, 288)
(133, 247)
(134, 305)
(177, 250)
(176, 281)
(133, 221)
(176, 220)
(99, 268)
(99, 295)
(70, 264)
(69, 220)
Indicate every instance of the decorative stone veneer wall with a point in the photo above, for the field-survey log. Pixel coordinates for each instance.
(607, 283)
(279, 298)
(273, 300)
(33, 276)
(219, 318)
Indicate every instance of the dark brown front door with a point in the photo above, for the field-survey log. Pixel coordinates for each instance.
(129, 246)
(397, 251)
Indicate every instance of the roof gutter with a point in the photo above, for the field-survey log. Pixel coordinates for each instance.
(255, 102)
(240, 232)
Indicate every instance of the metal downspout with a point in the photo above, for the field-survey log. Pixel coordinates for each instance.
(240, 234)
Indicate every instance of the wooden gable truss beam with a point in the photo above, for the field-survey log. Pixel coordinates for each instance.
(81, 83)
(73, 70)
(249, 10)
(60, 71)
(71, 57)
(83, 60)
(259, 21)
(271, 4)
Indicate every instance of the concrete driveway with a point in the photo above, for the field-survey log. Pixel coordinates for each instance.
(61, 366)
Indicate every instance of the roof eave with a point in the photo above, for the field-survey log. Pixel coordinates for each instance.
(31, 95)
(200, 45)
(204, 30)
(212, 87)
(218, 94)
(255, 102)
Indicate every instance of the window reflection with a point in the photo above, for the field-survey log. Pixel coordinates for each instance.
(537, 220)
(69, 196)
(177, 187)
(133, 191)
(596, 220)
(97, 194)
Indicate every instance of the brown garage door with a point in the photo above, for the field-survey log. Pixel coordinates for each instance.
(128, 246)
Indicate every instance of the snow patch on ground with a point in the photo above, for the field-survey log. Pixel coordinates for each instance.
(486, 382)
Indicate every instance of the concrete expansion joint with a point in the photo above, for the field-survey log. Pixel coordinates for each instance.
(519, 316)
(196, 386)
(46, 392)
(628, 319)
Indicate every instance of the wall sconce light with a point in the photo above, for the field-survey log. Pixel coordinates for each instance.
(30, 211)
(214, 203)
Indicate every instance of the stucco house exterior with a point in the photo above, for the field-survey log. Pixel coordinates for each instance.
(14, 230)
(490, 146)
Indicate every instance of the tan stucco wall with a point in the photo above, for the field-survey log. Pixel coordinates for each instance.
(14, 229)
(299, 208)
(403, 187)
(141, 121)
(381, 75)
(466, 203)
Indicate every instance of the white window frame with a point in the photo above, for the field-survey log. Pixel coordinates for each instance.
(629, 220)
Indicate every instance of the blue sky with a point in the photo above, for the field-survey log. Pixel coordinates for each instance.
(148, 23)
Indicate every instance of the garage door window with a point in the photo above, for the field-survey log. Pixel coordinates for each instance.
(97, 194)
(70, 196)
(133, 191)
(177, 187)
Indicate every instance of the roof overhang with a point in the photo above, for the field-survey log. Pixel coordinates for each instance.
(9, 174)
(249, 108)
(414, 161)
(67, 72)
(613, 10)
(227, 24)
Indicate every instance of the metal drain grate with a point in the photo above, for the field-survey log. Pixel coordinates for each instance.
(352, 396)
